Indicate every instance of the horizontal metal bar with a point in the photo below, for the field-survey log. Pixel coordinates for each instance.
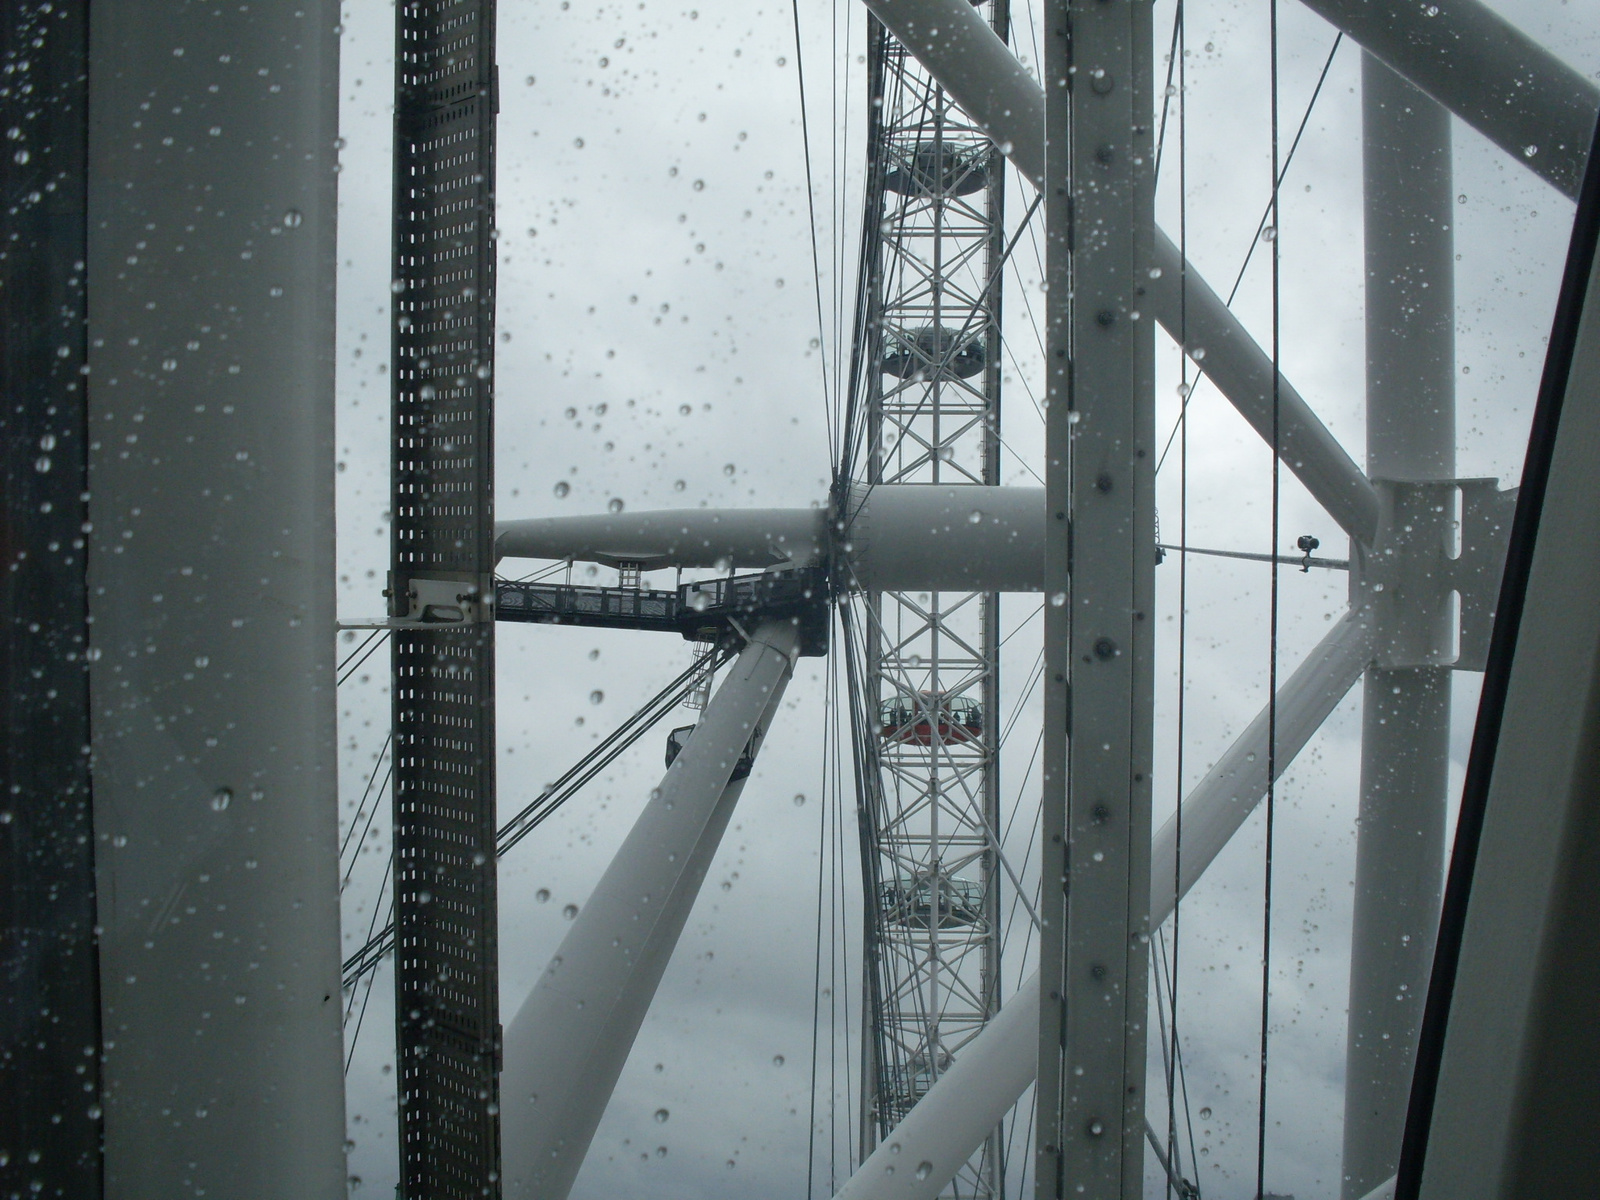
(1288, 560)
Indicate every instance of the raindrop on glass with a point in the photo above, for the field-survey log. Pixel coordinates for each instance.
(661, 1116)
(292, 219)
(799, 799)
(561, 489)
(570, 911)
(777, 1060)
(221, 798)
(924, 1169)
(542, 895)
(1205, 1113)
(596, 696)
(614, 504)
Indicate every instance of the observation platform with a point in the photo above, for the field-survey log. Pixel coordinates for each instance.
(702, 611)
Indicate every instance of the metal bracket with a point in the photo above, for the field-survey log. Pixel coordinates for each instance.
(1409, 582)
(431, 600)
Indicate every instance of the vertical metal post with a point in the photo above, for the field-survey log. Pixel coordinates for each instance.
(50, 1001)
(446, 976)
(1410, 346)
(1098, 640)
(211, 268)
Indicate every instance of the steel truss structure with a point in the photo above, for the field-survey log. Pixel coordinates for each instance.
(446, 965)
(926, 726)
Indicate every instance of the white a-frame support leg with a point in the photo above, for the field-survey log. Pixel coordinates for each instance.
(570, 1039)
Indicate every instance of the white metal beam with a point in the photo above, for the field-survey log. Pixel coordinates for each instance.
(570, 1038)
(1487, 72)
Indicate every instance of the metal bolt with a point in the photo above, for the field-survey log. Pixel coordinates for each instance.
(1106, 317)
(1105, 648)
(1103, 484)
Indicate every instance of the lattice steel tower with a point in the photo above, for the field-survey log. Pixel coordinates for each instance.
(928, 387)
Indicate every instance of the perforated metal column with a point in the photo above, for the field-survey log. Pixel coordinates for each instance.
(447, 1012)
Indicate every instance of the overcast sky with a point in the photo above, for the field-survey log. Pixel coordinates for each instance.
(657, 317)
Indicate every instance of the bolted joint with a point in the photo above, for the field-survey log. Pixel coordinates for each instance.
(1412, 585)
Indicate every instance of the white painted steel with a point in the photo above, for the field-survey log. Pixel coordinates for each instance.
(688, 537)
(950, 1123)
(947, 537)
(1487, 72)
(982, 75)
(570, 1039)
(901, 537)
(211, 572)
(1409, 255)
(1220, 803)
(1242, 371)
(996, 1066)
(956, 45)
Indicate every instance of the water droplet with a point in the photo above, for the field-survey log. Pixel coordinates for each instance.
(799, 799)
(729, 469)
(661, 1151)
(596, 696)
(561, 489)
(1183, 390)
(974, 517)
(542, 895)
(1198, 354)
(570, 911)
(699, 185)
(678, 485)
(777, 1060)
(1057, 599)
(119, 841)
(1269, 234)
(661, 1116)
(924, 1169)
(397, 286)
(169, 364)
(1155, 272)
(92, 654)
(42, 464)
(202, 661)
(578, 142)
(238, 998)
(292, 218)
(221, 798)
(93, 1112)
(614, 504)
(1529, 151)
(1205, 1113)
(47, 442)
(21, 157)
